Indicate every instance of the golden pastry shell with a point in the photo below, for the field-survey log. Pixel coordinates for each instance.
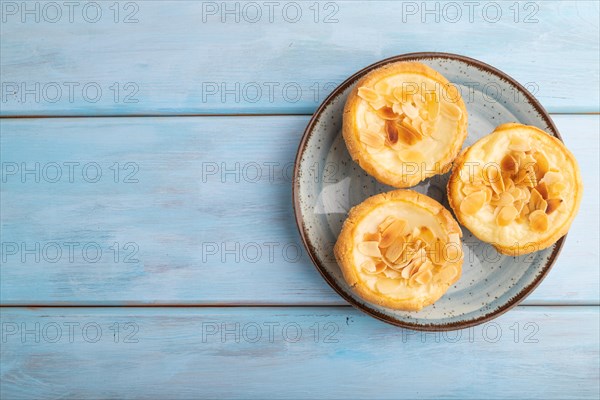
(344, 247)
(367, 161)
(554, 233)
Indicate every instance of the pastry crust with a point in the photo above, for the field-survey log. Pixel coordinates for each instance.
(432, 267)
(416, 147)
(542, 180)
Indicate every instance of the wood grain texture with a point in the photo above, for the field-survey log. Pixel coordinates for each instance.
(530, 352)
(174, 57)
(198, 227)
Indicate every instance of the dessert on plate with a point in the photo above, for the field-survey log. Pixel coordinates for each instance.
(404, 122)
(518, 188)
(400, 249)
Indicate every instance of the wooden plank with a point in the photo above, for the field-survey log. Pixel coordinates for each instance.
(530, 352)
(174, 57)
(191, 231)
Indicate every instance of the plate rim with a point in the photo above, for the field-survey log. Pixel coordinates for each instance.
(515, 300)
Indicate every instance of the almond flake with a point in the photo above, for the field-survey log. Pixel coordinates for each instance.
(553, 205)
(380, 267)
(369, 266)
(495, 198)
(518, 143)
(541, 164)
(472, 203)
(496, 212)
(400, 95)
(391, 132)
(509, 164)
(410, 111)
(406, 271)
(387, 113)
(374, 140)
(427, 128)
(423, 277)
(552, 177)
(519, 204)
(389, 263)
(527, 160)
(520, 177)
(390, 99)
(426, 266)
(504, 199)
(418, 100)
(526, 177)
(395, 250)
(542, 205)
(374, 120)
(524, 211)
(370, 249)
(386, 222)
(508, 183)
(393, 232)
(401, 263)
(469, 188)
(379, 103)
(367, 94)
(407, 134)
(495, 178)
(382, 87)
(537, 202)
(397, 108)
(526, 194)
(420, 257)
(390, 273)
(397, 266)
(530, 179)
(427, 235)
(488, 194)
(556, 189)
(506, 215)
(373, 129)
(412, 267)
(432, 105)
(372, 237)
(542, 190)
(412, 281)
(516, 193)
(538, 221)
(416, 123)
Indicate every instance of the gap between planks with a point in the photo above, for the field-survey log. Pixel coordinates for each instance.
(155, 115)
(205, 115)
(217, 305)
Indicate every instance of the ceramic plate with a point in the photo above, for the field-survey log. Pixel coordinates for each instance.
(327, 183)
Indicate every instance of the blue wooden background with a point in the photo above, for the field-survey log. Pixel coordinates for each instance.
(148, 248)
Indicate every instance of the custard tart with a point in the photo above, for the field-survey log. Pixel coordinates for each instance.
(404, 122)
(518, 188)
(400, 249)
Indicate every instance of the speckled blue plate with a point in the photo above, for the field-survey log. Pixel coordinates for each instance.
(327, 183)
